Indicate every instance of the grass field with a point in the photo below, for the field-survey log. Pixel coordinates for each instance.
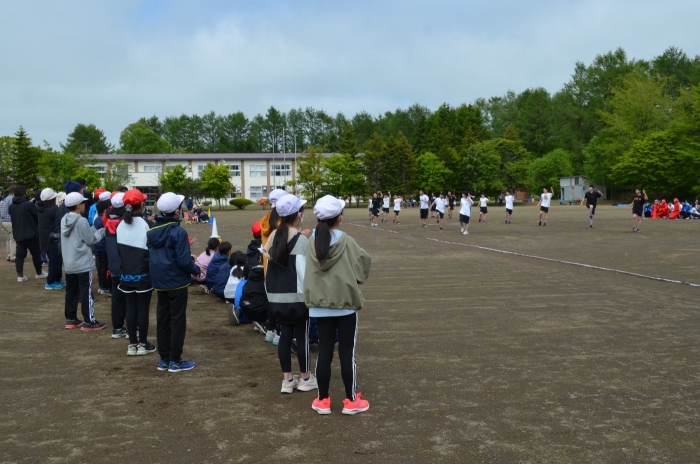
(466, 354)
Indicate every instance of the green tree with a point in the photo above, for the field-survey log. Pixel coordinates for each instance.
(480, 169)
(343, 175)
(372, 162)
(7, 156)
(348, 141)
(546, 171)
(139, 139)
(117, 176)
(87, 139)
(25, 161)
(399, 165)
(192, 188)
(309, 174)
(216, 181)
(431, 173)
(173, 179)
(57, 168)
(90, 175)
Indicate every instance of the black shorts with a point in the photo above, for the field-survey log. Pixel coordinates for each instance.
(433, 208)
(375, 211)
(544, 209)
(484, 209)
(592, 211)
(385, 210)
(396, 212)
(424, 213)
(464, 218)
(638, 212)
(509, 211)
(442, 215)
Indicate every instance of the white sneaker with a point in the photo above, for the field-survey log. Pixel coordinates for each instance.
(22, 279)
(43, 275)
(461, 229)
(308, 385)
(269, 336)
(276, 340)
(133, 350)
(465, 233)
(288, 387)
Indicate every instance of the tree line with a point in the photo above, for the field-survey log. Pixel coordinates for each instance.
(621, 122)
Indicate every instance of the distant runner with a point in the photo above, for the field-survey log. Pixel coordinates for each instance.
(465, 212)
(509, 206)
(545, 201)
(637, 205)
(424, 208)
(591, 200)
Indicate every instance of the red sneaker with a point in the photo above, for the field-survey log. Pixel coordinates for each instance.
(353, 407)
(322, 406)
(73, 324)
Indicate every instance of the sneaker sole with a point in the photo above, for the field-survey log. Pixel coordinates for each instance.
(287, 390)
(91, 329)
(352, 412)
(321, 411)
(119, 336)
(70, 327)
(307, 388)
(162, 369)
(132, 353)
(180, 370)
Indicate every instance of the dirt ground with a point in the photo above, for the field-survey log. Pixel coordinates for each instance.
(465, 354)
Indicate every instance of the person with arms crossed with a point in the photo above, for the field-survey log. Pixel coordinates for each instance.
(509, 206)
(545, 201)
(637, 205)
(591, 200)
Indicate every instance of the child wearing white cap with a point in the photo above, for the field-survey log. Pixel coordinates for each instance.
(335, 267)
(286, 253)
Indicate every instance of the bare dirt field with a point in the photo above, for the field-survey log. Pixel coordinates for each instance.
(466, 354)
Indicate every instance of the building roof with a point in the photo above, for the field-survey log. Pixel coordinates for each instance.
(198, 156)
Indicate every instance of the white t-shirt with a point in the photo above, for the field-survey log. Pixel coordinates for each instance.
(483, 202)
(385, 202)
(397, 204)
(440, 204)
(424, 201)
(509, 201)
(546, 198)
(465, 206)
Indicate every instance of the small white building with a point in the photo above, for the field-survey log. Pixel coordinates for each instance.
(253, 175)
(573, 188)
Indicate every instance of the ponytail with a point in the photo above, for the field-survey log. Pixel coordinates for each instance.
(274, 219)
(212, 245)
(238, 261)
(278, 250)
(130, 212)
(322, 241)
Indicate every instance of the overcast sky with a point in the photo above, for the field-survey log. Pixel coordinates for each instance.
(110, 62)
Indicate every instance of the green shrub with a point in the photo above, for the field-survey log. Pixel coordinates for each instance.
(240, 203)
(206, 203)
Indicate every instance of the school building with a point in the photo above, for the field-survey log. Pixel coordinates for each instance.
(253, 175)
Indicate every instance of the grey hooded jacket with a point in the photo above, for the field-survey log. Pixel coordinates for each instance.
(76, 239)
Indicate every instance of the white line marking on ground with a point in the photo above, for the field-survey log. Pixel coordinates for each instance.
(523, 255)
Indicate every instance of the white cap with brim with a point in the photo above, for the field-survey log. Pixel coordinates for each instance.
(47, 194)
(118, 200)
(328, 207)
(105, 196)
(74, 199)
(169, 202)
(275, 195)
(288, 205)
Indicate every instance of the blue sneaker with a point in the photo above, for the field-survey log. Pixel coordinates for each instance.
(62, 283)
(177, 366)
(55, 286)
(163, 365)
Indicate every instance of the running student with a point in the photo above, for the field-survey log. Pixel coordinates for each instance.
(591, 200)
(286, 265)
(424, 207)
(376, 201)
(543, 204)
(397, 208)
(637, 205)
(335, 267)
(509, 206)
(385, 206)
(439, 206)
(452, 201)
(483, 207)
(465, 212)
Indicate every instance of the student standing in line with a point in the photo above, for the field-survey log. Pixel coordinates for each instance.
(509, 206)
(135, 275)
(114, 263)
(637, 205)
(465, 212)
(100, 250)
(439, 206)
(543, 204)
(25, 231)
(591, 201)
(335, 267)
(286, 266)
(171, 266)
(385, 206)
(483, 207)
(76, 239)
(47, 217)
(397, 208)
(424, 207)
(7, 224)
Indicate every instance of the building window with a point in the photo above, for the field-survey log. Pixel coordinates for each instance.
(235, 170)
(258, 170)
(170, 168)
(258, 192)
(281, 170)
(100, 169)
(576, 180)
(153, 168)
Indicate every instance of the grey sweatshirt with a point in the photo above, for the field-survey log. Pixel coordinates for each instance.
(76, 239)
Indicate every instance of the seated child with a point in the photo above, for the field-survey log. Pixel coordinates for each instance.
(220, 259)
(202, 261)
(255, 244)
(253, 301)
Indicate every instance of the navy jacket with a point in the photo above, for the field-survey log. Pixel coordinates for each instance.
(101, 247)
(221, 279)
(214, 265)
(171, 263)
(25, 219)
